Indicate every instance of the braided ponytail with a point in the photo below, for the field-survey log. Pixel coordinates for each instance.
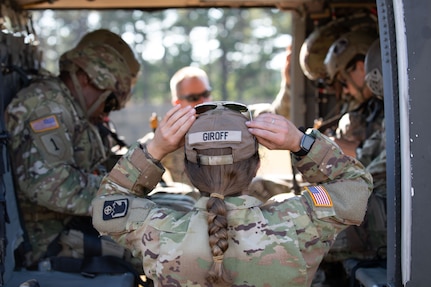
(217, 182)
(218, 238)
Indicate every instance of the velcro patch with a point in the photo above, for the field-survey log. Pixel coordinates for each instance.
(44, 124)
(319, 195)
(215, 136)
(113, 209)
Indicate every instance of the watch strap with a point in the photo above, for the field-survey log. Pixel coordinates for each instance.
(307, 142)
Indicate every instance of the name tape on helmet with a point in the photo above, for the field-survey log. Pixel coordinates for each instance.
(215, 136)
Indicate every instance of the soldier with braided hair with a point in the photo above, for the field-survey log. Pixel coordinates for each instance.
(231, 238)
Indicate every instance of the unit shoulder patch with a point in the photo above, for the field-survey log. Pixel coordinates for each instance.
(115, 208)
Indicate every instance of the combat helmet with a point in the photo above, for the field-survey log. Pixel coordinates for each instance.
(373, 69)
(104, 36)
(316, 45)
(345, 49)
(105, 67)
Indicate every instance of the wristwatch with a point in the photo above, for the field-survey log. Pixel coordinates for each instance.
(307, 142)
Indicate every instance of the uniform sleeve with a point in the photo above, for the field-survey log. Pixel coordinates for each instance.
(133, 174)
(119, 206)
(340, 185)
(43, 153)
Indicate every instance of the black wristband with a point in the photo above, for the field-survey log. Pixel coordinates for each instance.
(307, 142)
(148, 155)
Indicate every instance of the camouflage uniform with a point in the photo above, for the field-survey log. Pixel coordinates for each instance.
(53, 160)
(56, 152)
(375, 221)
(362, 242)
(373, 115)
(173, 163)
(273, 244)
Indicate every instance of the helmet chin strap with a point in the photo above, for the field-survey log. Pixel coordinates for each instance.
(102, 98)
(78, 91)
(88, 111)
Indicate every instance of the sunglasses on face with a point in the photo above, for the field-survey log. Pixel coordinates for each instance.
(195, 97)
(111, 103)
(237, 107)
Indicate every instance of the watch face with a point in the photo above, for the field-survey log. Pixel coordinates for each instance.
(307, 143)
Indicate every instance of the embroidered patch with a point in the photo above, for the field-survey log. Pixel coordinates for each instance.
(319, 195)
(44, 124)
(115, 208)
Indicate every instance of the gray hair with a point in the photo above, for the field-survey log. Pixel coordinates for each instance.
(185, 73)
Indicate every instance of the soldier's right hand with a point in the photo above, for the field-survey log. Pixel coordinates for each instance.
(169, 135)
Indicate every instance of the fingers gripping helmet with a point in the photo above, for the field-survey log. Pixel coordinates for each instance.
(105, 67)
(345, 49)
(373, 69)
(105, 36)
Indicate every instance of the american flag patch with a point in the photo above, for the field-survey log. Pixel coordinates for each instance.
(319, 195)
(44, 124)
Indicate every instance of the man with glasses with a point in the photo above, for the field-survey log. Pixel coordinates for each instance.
(344, 63)
(189, 86)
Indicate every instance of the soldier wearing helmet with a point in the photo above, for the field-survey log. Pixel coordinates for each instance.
(107, 37)
(111, 139)
(55, 146)
(367, 241)
(315, 47)
(373, 69)
(344, 63)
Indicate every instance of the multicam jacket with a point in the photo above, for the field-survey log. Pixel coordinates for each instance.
(279, 243)
(54, 151)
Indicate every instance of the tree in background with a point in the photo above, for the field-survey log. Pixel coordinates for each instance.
(235, 46)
